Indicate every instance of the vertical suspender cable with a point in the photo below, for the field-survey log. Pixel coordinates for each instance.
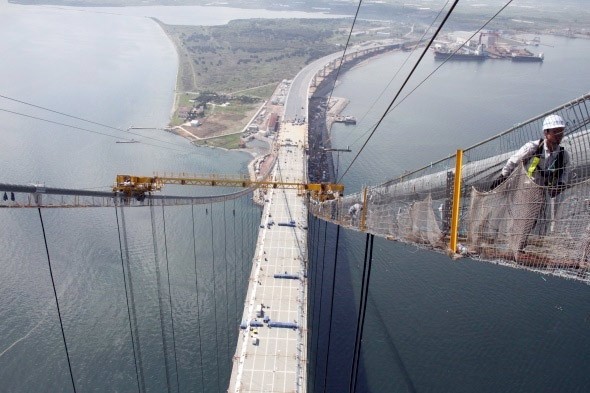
(215, 300)
(159, 287)
(331, 308)
(314, 289)
(358, 321)
(198, 304)
(63, 335)
(170, 299)
(235, 258)
(242, 250)
(226, 279)
(362, 311)
(321, 296)
(136, 353)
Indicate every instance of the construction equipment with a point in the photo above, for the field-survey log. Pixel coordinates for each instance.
(136, 186)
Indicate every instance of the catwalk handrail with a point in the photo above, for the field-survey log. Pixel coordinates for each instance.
(490, 139)
(34, 196)
(521, 223)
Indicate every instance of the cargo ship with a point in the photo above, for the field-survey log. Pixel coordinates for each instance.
(528, 58)
(462, 54)
(345, 119)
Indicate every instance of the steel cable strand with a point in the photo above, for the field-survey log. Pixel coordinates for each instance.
(135, 355)
(448, 57)
(91, 122)
(369, 268)
(215, 299)
(61, 325)
(331, 308)
(228, 327)
(198, 303)
(242, 248)
(170, 299)
(345, 49)
(437, 68)
(311, 297)
(90, 131)
(401, 88)
(159, 290)
(355, 356)
(235, 258)
(397, 72)
(321, 298)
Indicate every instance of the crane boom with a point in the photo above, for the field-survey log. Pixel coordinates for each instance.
(136, 186)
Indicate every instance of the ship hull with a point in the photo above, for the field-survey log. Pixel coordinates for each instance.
(458, 56)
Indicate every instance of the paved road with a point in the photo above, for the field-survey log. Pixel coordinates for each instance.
(296, 104)
(272, 359)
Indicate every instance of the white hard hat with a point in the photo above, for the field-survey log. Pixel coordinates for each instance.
(553, 121)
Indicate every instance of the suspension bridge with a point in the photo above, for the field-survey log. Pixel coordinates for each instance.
(250, 309)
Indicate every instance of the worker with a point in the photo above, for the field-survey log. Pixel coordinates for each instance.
(546, 163)
(353, 211)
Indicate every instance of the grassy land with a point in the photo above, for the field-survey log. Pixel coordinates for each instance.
(249, 53)
(226, 142)
(242, 63)
(262, 92)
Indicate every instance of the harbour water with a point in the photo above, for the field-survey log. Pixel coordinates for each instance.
(433, 324)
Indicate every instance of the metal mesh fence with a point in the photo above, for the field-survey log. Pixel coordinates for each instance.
(521, 222)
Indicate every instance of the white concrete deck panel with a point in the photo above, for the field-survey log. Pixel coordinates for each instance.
(278, 362)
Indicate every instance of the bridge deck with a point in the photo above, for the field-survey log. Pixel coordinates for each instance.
(277, 361)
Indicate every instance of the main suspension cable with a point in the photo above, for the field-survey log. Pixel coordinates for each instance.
(391, 108)
(345, 49)
(397, 72)
(402, 86)
(87, 121)
(92, 131)
(450, 55)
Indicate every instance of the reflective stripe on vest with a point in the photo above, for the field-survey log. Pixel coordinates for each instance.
(534, 162)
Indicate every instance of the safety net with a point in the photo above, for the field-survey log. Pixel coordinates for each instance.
(521, 220)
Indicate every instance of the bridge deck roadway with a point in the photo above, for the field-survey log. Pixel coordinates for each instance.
(277, 362)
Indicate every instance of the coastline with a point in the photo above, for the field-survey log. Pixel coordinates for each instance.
(186, 72)
(253, 152)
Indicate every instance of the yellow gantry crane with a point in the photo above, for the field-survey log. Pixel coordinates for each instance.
(137, 186)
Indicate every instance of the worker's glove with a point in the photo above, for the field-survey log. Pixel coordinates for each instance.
(499, 180)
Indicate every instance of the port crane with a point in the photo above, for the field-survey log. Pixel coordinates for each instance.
(137, 186)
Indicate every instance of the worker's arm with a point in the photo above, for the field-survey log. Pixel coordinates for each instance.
(525, 152)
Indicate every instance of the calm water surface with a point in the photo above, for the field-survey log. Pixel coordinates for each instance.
(433, 325)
